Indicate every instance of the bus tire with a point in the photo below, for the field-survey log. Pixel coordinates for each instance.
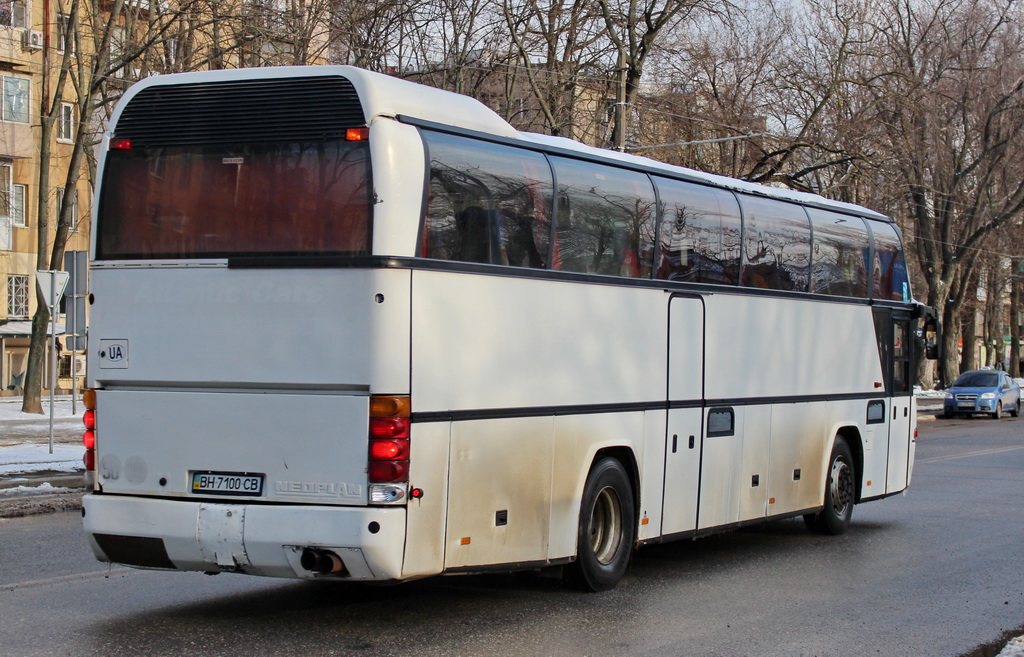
(606, 530)
(840, 492)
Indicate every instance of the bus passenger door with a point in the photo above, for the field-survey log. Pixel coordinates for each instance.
(684, 436)
(900, 445)
(895, 347)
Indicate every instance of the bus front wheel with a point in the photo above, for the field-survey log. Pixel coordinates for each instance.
(607, 528)
(840, 492)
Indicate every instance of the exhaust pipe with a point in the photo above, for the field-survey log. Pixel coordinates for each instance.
(323, 562)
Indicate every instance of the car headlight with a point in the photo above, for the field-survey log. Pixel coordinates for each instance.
(989, 395)
(949, 395)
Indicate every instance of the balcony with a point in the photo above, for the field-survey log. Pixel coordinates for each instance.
(16, 140)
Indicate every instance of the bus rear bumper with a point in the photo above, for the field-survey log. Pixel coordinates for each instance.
(256, 539)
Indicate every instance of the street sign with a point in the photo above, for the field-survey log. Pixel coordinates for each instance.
(51, 284)
(76, 264)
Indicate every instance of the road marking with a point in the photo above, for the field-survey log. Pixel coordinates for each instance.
(985, 452)
(81, 577)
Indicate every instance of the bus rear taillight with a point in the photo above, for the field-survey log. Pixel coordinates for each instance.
(357, 134)
(89, 437)
(388, 452)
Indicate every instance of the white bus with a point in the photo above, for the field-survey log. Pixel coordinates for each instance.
(346, 326)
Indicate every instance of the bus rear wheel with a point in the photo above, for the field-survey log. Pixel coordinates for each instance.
(607, 528)
(840, 493)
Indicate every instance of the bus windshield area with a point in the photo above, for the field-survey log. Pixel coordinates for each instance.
(215, 201)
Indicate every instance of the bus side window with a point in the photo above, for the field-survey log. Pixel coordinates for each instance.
(839, 254)
(700, 234)
(605, 219)
(487, 203)
(889, 268)
(776, 244)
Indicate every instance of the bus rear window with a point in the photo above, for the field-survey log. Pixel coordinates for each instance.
(216, 201)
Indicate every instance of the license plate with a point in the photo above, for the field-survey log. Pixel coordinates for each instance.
(228, 483)
(966, 404)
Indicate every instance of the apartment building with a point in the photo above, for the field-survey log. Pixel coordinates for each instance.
(30, 47)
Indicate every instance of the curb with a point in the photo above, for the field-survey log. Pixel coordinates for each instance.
(71, 487)
(32, 505)
(69, 480)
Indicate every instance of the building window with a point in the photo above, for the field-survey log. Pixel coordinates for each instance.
(170, 53)
(118, 48)
(12, 197)
(13, 14)
(15, 102)
(73, 222)
(65, 34)
(17, 296)
(19, 193)
(5, 190)
(66, 126)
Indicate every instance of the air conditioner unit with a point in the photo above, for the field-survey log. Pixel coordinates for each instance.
(32, 40)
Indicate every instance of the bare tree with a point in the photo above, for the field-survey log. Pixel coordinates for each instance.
(949, 92)
(1016, 293)
(633, 27)
(710, 108)
(559, 43)
(98, 53)
(465, 46)
(381, 35)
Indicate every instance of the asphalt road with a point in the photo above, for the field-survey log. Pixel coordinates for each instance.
(934, 572)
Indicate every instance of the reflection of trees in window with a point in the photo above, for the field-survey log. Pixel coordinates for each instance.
(839, 260)
(13, 13)
(15, 99)
(488, 203)
(889, 269)
(605, 219)
(309, 198)
(700, 234)
(777, 245)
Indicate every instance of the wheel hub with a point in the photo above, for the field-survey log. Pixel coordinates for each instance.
(842, 486)
(606, 526)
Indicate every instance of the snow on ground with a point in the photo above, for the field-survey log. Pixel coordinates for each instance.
(928, 394)
(23, 491)
(1015, 648)
(24, 437)
(10, 409)
(20, 458)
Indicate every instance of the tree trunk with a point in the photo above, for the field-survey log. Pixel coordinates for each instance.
(949, 365)
(32, 400)
(969, 330)
(1014, 328)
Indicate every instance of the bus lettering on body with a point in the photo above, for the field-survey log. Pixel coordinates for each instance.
(318, 489)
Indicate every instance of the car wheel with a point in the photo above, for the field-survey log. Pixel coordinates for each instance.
(998, 413)
(606, 528)
(840, 492)
(1015, 411)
